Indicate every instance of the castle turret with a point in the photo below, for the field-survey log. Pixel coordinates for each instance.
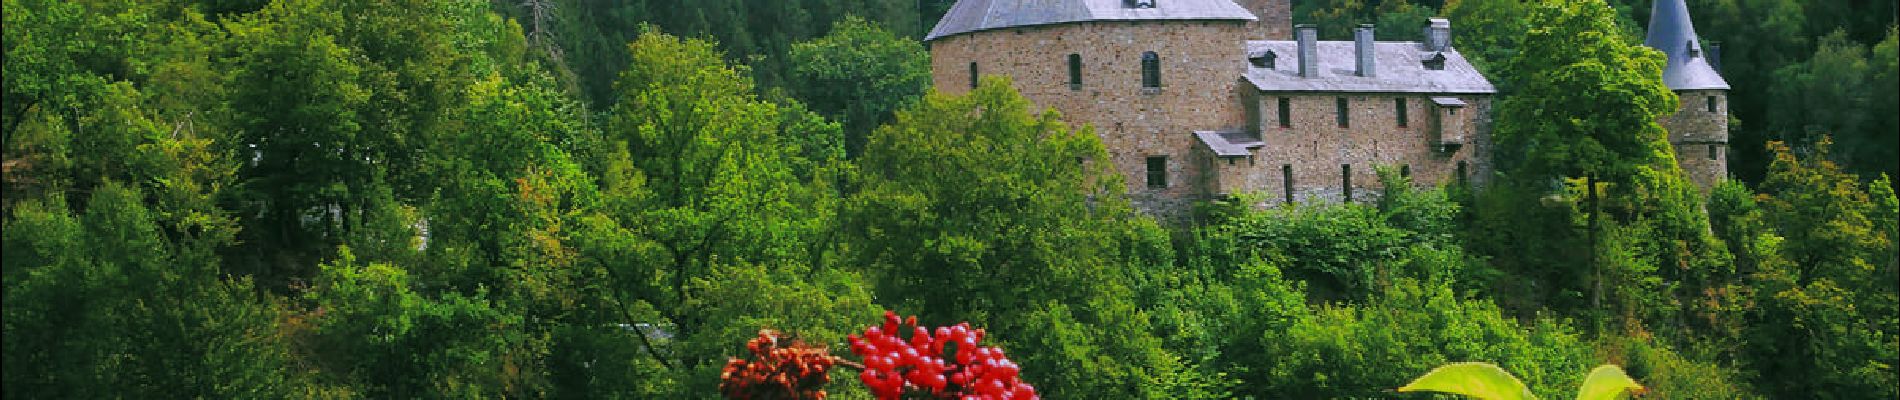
(1699, 129)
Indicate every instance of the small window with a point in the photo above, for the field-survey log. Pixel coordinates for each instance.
(1345, 120)
(1075, 72)
(1405, 171)
(1286, 181)
(1436, 62)
(1399, 103)
(973, 75)
(1345, 180)
(1715, 152)
(1461, 172)
(1158, 172)
(1286, 111)
(1712, 104)
(1150, 70)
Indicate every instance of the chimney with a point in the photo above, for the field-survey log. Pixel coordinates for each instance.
(1715, 56)
(1308, 36)
(1438, 35)
(1363, 44)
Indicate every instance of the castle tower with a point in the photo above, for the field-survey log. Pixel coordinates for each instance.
(1699, 129)
(1144, 73)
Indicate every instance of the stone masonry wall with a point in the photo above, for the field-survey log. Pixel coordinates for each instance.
(1201, 66)
(1314, 147)
(1700, 136)
(1276, 19)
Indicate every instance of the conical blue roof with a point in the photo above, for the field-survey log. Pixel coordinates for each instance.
(1672, 32)
(981, 15)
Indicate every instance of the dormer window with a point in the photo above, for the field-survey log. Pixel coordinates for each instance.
(1264, 59)
(1695, 49)
(1436, 62)
(1141, 3)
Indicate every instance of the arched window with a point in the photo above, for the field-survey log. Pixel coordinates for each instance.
(972, 75)
(1075, 72)
(1150, 70)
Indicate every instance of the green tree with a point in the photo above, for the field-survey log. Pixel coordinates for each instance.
(1586, 107)
(107, 303)
(859, 74)
(972, 208)
(1825, 324)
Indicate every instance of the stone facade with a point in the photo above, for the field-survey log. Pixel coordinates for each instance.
(1210, 86)
(1276, 19)
(1436, 145)
(1200, 87)
(1699, 132)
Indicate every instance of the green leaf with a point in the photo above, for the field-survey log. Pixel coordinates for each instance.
(1607, 383)
(1480, 380)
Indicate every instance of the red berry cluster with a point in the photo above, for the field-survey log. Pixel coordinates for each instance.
(778, 370)
(947, 364)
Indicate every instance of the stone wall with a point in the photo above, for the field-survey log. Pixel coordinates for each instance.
(1699, 132)
(1276, 19)
(1201, 65)
(1314, 147)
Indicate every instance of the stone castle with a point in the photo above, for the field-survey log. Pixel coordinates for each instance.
(1199, 99)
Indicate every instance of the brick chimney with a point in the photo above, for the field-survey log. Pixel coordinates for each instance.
(1275, 19)
(1308, 36)
(1364, 51)
(1438, 35)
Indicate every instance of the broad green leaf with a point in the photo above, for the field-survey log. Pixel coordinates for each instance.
(1475, 379)
(1607, 383)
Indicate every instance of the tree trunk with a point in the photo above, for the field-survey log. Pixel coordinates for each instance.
(1596, 300)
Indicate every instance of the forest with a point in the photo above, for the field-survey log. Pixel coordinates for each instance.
(649, 198)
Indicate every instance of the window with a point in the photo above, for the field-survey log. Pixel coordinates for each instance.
(1461, 172)
(1712, 104)
(1150, 70)
(1435, 63)
(1286, 181)
(1141, 3)
(1286, 110)
(972, 75)
(1345, 180)
(1405, 171)
(1715, 152)
(1075, 72)
(1399, 103)
(1345, 120)
(1157, 172)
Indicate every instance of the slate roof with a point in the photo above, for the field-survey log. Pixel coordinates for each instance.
(1229, 144)
(1400, 70)
(1672, 32)
(981, 15)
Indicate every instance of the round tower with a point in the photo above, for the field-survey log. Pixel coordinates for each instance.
(1699, 128)
(1144, 73)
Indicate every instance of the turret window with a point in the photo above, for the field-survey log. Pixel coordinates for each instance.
(1150, 70)
(1713, 104)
